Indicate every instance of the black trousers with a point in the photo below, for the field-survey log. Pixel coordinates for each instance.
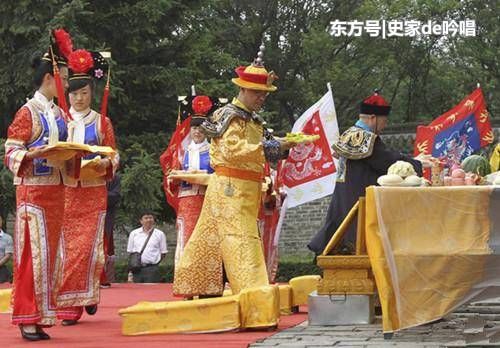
(148, 274)
(5, 275)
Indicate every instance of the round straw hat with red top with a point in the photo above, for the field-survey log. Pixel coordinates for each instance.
(255, 76)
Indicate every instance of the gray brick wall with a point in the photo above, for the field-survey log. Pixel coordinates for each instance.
(300, 224)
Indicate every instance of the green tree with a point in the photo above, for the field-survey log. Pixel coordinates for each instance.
(141, 188)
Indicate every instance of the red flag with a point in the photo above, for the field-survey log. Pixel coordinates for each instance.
(311, 161)
(171, 159)
(309, 171)
(457, 133)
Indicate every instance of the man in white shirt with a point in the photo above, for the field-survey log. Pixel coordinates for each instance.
(6, 250)
(154, 252)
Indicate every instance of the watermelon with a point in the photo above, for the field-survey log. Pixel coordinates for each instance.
(476, 164)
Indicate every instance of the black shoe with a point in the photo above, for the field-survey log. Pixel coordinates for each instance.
(29, 336)
(67, 322)
(43, 335)
(91, 310)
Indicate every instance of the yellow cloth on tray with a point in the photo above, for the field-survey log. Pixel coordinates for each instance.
(427, 248)
(5, 295)
(63, 151)
(88, 169)
(192, 178)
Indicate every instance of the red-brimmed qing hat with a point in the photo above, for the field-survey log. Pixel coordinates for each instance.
(255, 76)
(375, 105)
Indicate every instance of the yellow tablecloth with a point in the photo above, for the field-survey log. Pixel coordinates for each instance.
(431, 249)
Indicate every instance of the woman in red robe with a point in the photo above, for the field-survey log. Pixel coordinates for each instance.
(85, 199)
(40, 201)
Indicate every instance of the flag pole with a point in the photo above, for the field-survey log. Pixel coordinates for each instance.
(329, 86)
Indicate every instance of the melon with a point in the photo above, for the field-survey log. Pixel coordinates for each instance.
(476, 164)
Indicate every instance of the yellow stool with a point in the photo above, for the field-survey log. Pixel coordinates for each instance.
(260, 307)
(205, 315)
(301, 288)
(285, 299)
(5, 300)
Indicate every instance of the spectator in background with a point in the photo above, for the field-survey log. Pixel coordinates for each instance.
(154, 251)
(6, 251)
(108, 273)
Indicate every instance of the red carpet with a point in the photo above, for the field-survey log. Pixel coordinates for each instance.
(104, 328)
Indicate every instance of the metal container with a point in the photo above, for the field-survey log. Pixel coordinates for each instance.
(340, 309)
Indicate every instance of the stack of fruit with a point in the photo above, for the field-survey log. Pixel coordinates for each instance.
(401, 173)
(470, 172)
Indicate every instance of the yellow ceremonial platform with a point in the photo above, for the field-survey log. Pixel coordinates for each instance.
(286, 299)
(252, 308)
(5, 300)
(205, 315)
(347, 274)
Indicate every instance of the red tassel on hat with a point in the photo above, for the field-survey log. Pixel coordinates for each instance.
(104, 102)
(61, 97)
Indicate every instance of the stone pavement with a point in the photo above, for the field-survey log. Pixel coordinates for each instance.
(476, 325)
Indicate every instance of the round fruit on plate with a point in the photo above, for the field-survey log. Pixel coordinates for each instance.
(300, 137)
(497, 179)
(390, 180)
(458, 173)
(413, 180)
